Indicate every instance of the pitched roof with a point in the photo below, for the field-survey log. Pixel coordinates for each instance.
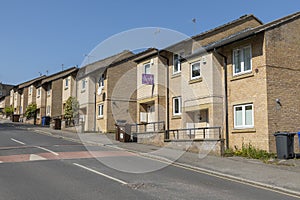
(246, 33)
(59, 75)
(30, 82)
(101, 65)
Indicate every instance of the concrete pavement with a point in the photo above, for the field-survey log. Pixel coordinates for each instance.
(283, 175)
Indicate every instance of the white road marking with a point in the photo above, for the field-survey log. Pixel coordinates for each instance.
(33, 157)
(1, 161)
(17, 141)
(47, 150)
(101, 174)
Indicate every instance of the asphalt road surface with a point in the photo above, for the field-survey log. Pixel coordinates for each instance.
(35, 166)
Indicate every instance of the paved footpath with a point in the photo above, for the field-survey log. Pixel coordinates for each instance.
(283, 176)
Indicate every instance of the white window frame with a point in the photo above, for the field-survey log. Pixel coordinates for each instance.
(243, 116)
(48, 90)
(100, 110)
(191, 68)
(241, 49)
(30, 90)
(147, 64)
(101, 81)
(66, 83)
(179, 106)
(38, 92)
(178, 64)
(83, 85)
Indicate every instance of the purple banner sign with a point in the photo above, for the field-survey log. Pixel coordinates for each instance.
(148, 79)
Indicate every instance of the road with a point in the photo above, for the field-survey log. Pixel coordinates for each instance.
(36, 166)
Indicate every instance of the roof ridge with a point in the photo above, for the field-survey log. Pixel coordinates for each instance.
(243, 17)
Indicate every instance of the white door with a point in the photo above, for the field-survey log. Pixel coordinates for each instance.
(151, 117)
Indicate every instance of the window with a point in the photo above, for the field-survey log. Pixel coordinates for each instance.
(48, 110)
(49, 90)
(243, 116)
(100, 110)
(101, 81)
(83, 85)
(242, 60)
(66, 83)
(177, 106)
(1, 93)
(147, 67)
(39, 92)
(195, 70)
(21, 110)
(176, 64)
(30, 90)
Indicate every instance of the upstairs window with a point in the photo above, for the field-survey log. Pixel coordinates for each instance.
(195, 70)
(48, 90)
(147, 68)
(101, 81)
(66, 83)
(242, 60)
(176, 64)
(83, 85)
(39, 92)
(30, 90)
(100, 110)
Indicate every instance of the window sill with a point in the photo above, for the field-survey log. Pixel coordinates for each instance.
(100, 117)
(175, 75)
(66, 88)
(176, 117)
(244, 130)
(242, 76)
(195, 80)
(82, 91)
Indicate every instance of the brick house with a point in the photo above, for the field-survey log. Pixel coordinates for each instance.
(86, 86)
(180, 95)
(262, 66)
(52, 92)
(116, 93)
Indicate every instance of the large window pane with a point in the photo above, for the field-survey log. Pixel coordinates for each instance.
(237, 61)
(248, 115)
(247, 59)
(177, 65)
(147, 68)
(238, 116)
(195, 70)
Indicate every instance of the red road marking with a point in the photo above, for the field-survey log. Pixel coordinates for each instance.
(65, 155)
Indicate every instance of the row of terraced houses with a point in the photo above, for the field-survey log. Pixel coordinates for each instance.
(241, 77)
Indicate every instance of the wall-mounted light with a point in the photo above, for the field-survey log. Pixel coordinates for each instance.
(278, 102)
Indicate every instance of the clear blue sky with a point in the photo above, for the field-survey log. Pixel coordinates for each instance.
(41, 35)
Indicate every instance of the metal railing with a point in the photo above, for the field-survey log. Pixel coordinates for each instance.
(213, 133)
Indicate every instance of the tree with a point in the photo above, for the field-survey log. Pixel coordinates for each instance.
(31, 111)
(71, 109)
(8, 110)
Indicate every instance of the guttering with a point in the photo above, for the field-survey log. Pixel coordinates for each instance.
(226, 97)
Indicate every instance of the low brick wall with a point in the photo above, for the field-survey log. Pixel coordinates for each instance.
(202, 147)
(156, 139)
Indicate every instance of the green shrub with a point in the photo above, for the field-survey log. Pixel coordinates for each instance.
(31, 111)
(249, 151)
(9, 110)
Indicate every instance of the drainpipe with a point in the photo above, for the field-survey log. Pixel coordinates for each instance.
(168, 99)
(226, 98)
(95, 104)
